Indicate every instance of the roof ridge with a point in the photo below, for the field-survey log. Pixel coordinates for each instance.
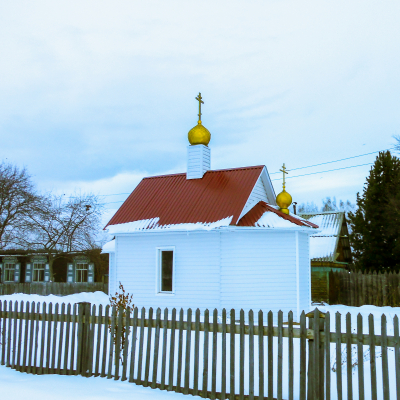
(213, 170)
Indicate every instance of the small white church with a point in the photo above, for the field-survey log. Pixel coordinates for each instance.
(211, 239)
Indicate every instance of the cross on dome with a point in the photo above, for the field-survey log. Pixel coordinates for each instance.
(200, 100)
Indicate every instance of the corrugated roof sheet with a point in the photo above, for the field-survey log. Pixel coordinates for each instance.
(323, 245)
(264, 215)
(173, 199)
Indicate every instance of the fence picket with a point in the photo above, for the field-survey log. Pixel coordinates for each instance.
(10, 311)
(26, 333)
(187, 352)
(133, 346)
(385, 372)
(338, 326)
(15, 327)
(172, 351)
(111, 348)
(180, 351)
(196, 352)
(73, 341)
(49, 330)
(148, 348)
(223, 355)
(31, 336)
(349, 358)
(91, 348)
(214, 355)
(67, 338)
(36, 340)
(105, 340)
(232, 355)
(372, 360)
(3, 330)
(164, 349)
(140, 350)
(205, 352)
(303, 356)
(53, 354)
(20, 339)
(360, 357)
(327, 355)
(79, 340)
(280, 354)
(98, 349)
(260, 355)
(397, 353)
(118, 340)
(156, 348)
(61, 337)
(251, 355)
(290, 355)
(270, 355)
(126, 343)
(241, 355)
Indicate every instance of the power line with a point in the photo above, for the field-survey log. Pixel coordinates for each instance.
(330, 162)
(115, 194)
(322, 172)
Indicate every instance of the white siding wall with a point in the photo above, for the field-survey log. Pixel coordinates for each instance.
(248, 269)
(198, 161)
(305, 268)
(196, 269)
(258, 271)
(112, 281)
(258, 194)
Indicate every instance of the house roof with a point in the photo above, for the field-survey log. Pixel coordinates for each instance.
(324, 245)
(264, 215)
(173, 199)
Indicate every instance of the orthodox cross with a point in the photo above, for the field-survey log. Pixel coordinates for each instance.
(284, 172)
(199, 99)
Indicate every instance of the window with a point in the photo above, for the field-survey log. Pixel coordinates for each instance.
(9, 272)
(166, 271)
(81, 272)
(38, 272)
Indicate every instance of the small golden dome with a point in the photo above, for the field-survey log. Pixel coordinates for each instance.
(284, 200)
(199, 135)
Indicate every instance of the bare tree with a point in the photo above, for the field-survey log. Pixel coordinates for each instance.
(63, 226)
(18, 201)
(397, 144)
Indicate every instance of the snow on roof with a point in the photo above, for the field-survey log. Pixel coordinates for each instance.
(266, 216)
(323, 245)
(272, 220)
(109, 247)
(153, 225)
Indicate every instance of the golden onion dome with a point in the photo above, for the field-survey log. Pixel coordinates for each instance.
(284, 200)
(199, 135)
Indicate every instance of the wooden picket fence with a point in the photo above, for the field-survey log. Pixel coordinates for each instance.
(56, 288)
(218, 359)
(358, 289)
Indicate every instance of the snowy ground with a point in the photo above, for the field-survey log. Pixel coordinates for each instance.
(21, 386)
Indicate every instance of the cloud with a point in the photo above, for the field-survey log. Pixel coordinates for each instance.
(97, 90)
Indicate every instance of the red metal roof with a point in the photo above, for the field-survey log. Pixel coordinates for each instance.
(177, 200)
(261, 207)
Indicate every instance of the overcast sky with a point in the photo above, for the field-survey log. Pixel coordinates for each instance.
(95, 95)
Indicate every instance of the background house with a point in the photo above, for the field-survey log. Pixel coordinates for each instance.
(329, 250)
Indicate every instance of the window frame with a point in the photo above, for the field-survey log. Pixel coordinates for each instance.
(81, 271)
(9, 266)
(40, 271)
(159, 251)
